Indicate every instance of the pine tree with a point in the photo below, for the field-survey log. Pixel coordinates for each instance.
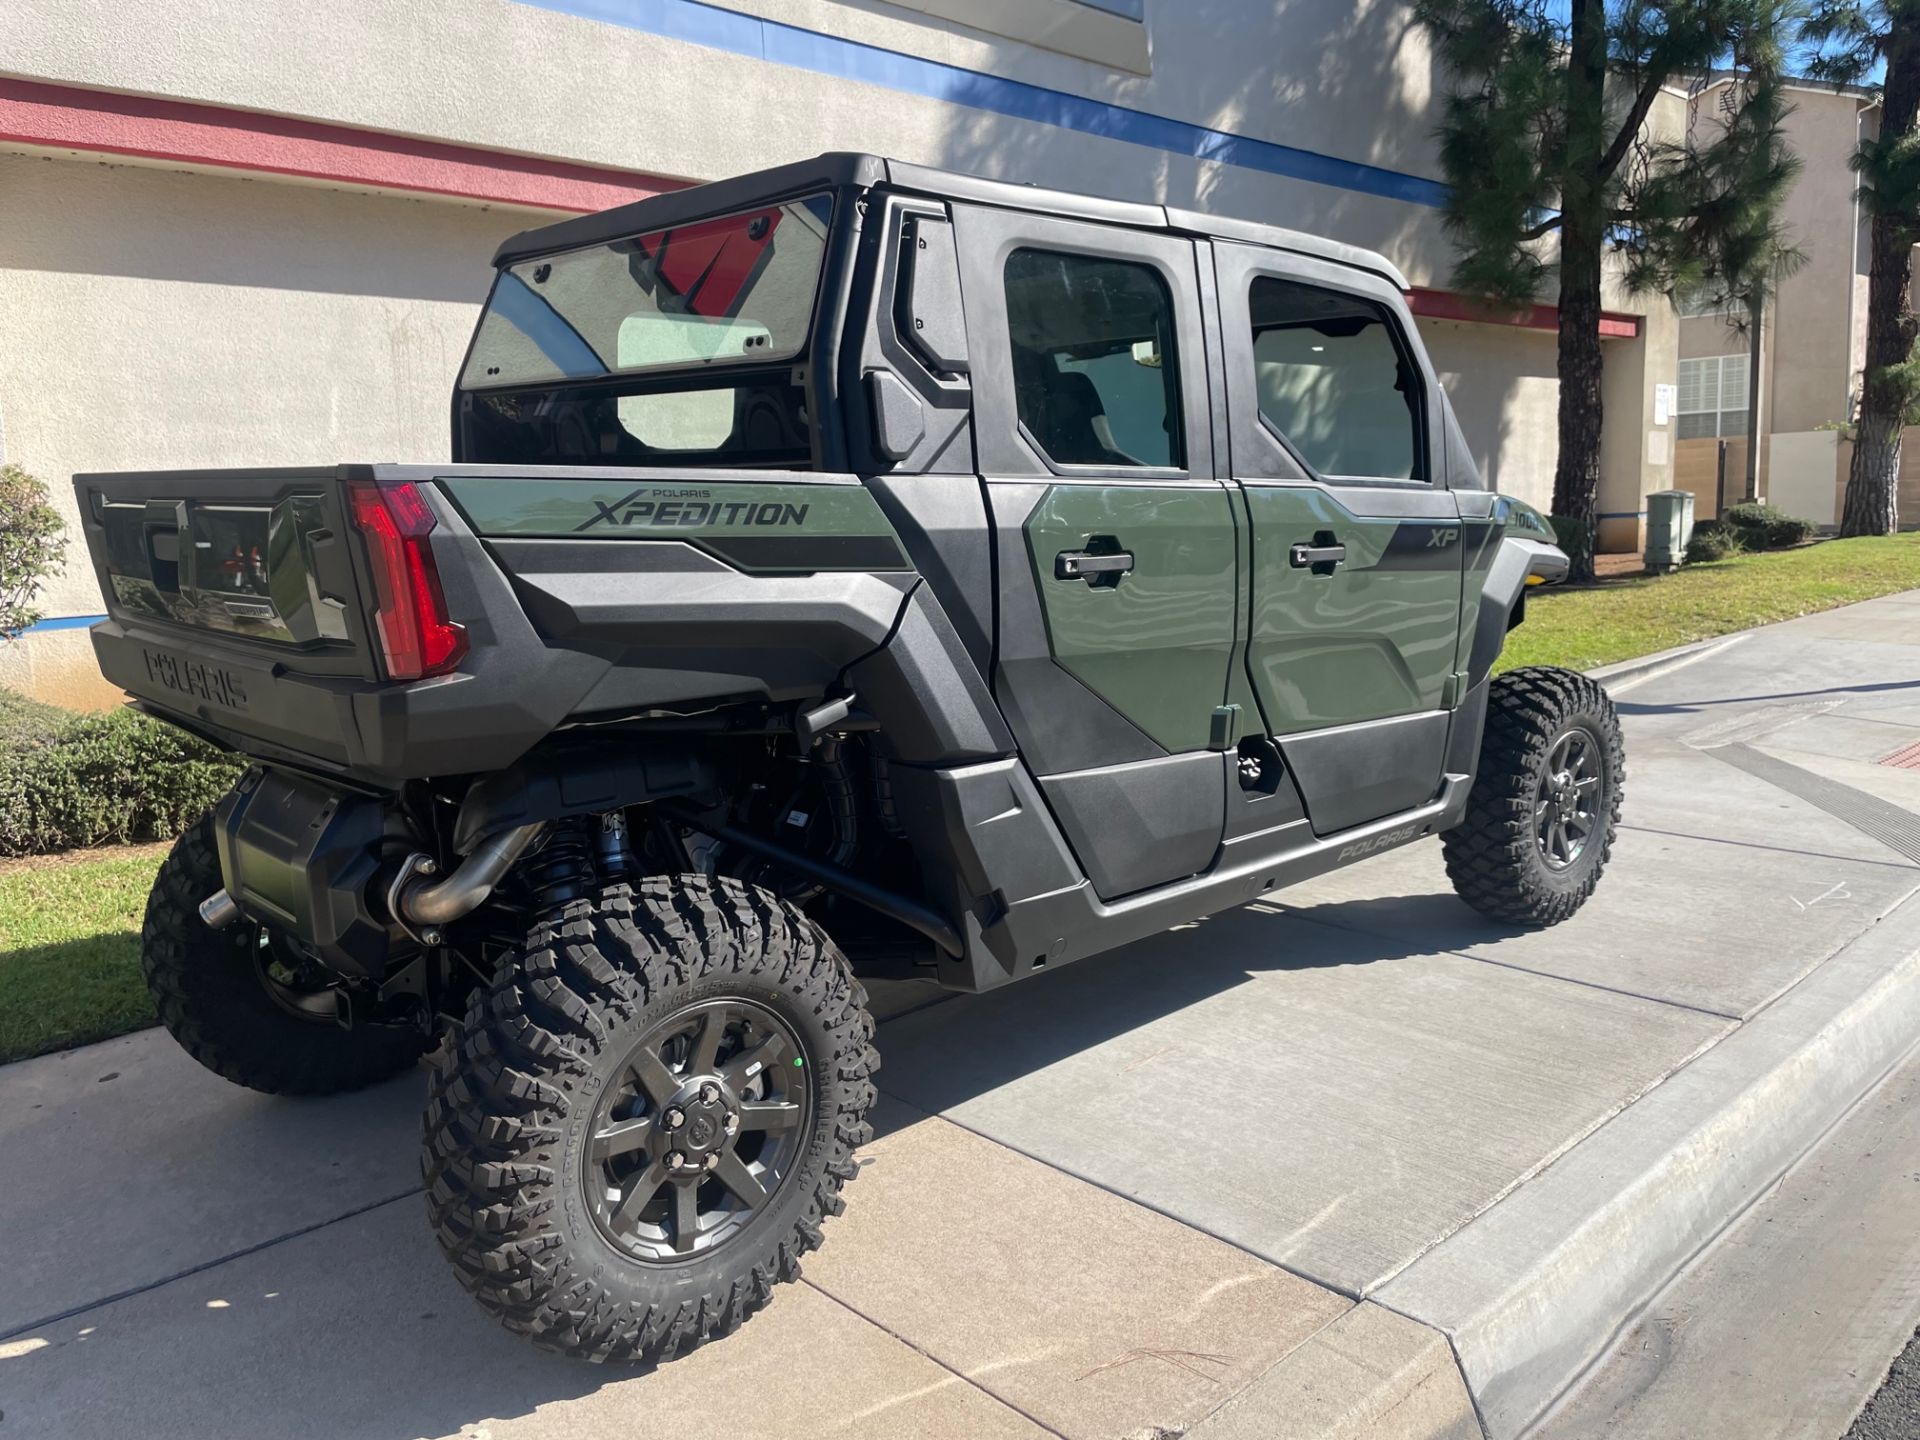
(1545, 134)
(1851, 41)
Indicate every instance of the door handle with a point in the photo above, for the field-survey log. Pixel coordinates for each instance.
(1320, 558)
(1085, 565)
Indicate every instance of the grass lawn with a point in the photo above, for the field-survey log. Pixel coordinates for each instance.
(69, 949)
(1619, 619)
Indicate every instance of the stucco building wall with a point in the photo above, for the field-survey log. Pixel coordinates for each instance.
(183, 306)
(1813, 343)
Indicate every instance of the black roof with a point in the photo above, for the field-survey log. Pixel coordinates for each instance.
(845, 169)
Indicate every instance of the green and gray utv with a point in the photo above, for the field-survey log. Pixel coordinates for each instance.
(846, 570)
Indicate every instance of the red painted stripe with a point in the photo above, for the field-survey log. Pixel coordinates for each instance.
(65, 118)
(1446, 305)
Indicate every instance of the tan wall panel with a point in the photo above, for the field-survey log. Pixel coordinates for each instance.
(153, 319)
(1505, 391)
(1696, 468)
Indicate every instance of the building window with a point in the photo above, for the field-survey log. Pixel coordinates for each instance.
(1704, 303)
(1713, 397)
(1096, 380)
(1107, 32)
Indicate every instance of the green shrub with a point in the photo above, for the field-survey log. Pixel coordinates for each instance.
(70, 780)
(1761, 527)
(1712, 540)
(31, 544)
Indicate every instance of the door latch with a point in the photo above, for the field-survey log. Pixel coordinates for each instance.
(1320, 557)
(1096, 568)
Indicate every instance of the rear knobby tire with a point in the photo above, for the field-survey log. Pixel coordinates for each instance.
(208, 988)
(520, 1100)
(1496, 857)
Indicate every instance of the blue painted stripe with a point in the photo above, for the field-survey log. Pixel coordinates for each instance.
(63, 622)
(781, 44)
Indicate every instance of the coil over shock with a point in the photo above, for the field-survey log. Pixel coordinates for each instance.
(577, 859)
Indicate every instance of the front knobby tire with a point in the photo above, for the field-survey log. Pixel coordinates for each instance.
(246, 1004)
(1545, 804)
(622, 1156)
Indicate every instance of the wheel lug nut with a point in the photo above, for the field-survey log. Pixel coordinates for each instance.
(675, 1119)
(709, 1094)
(712, 1161)
(733, 1122)
(676, 1160)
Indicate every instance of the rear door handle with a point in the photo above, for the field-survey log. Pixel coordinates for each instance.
(1302, 557)
(1085, 565)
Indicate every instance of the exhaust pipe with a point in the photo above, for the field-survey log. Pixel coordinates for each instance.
(218, 910)
(463, 891)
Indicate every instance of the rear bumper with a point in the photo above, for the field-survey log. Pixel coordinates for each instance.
(379, 735)
(232, 698)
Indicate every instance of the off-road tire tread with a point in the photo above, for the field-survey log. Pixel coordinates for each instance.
(502, 1090)
(220, 1016)
(1492, 857)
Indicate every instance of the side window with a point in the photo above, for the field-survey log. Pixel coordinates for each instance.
(1334, 381)
(1095, 377)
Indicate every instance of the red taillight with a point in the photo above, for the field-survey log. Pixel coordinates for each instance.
(417, 639)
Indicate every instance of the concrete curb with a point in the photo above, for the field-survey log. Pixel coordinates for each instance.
(1631, 672)
(1534, 1291)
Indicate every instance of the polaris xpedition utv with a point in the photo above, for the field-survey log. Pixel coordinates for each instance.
(982, 576)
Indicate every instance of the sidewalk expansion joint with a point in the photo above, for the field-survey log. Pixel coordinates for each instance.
(1776, 849)
(205, 1265)
(1333, 1287)
(1453, 1349)
(930, 1357)
(1301, 913)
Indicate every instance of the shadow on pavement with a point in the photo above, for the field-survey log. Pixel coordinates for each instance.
(1688, 707)
(986, 1041)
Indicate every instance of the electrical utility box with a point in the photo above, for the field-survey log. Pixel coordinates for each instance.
(1669, 528)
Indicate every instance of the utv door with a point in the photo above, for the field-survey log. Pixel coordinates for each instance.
(1115, 547)
(1356, 541)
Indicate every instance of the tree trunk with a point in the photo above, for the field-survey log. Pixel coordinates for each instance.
(1576, 476)
(1873, 484)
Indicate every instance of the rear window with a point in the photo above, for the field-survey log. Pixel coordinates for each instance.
(734, 290)
(1095, 376)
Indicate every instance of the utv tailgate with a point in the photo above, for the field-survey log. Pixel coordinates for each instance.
(238, 605)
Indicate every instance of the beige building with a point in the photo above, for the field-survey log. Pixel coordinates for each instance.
(238, 235)
(1812, 339)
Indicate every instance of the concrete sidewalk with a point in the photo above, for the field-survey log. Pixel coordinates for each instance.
(1350, 1163)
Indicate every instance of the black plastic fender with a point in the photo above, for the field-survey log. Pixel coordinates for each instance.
(1517, 558)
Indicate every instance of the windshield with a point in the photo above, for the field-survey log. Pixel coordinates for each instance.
(736, 289)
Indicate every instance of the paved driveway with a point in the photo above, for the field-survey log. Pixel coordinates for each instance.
(1151, 1189)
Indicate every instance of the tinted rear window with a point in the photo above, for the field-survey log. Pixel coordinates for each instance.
(739, 289)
